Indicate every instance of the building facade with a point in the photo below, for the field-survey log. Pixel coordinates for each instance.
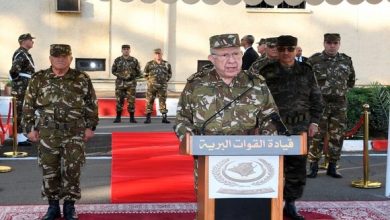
(182, 28)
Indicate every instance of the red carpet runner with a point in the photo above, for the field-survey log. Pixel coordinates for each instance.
(147, 167)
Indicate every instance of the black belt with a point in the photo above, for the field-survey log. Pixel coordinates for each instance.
(60, 126)
(293, 119)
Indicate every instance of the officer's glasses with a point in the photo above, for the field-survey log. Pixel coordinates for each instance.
(226, 56)
(289, 49)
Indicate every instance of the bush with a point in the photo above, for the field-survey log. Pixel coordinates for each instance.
(378, 98)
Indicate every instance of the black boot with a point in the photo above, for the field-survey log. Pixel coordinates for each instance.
(165, 120)
(53, 212)
(313, 170)
(69, 210)
(148, 119)
(132, 119)
(291, 211)
(118, 117)
(332, 171)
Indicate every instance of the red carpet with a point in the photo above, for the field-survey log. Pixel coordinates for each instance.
(107, 107)
(147, 167)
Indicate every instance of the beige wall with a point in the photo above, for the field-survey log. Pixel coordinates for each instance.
(182, 31)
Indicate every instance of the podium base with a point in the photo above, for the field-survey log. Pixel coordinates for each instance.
(243, 209)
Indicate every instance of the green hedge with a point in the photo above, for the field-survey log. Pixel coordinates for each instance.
(378, 98)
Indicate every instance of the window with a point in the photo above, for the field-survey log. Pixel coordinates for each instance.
(90, 64)
(68, 5)
(282, 5)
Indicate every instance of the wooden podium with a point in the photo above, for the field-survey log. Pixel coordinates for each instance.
(205, 147)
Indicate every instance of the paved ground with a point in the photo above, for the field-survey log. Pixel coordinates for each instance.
(22, 185)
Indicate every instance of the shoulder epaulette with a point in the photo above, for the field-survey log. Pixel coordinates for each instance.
(203, 72)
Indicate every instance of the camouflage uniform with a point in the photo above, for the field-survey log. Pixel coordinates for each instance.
(206, 93)
(61, 108)
(157, 76)
(335, 76)
(20, 72)
(127, 70)
(298, 98)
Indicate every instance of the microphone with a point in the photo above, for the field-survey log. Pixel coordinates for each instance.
(227, 105)
(280, 126)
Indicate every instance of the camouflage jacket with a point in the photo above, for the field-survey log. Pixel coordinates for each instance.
(126, 70)
(258, 64)
(335, 75)
(22, 62)
(205, 94)
(67, 99)
(296, 93)
(158, 73)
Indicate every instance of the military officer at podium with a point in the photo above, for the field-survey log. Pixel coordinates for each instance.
(225, 100)
(298, 97)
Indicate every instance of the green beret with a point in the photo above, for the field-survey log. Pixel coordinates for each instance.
(332, 37)
(25, 37)
(224, 41)
(57, 50)
(287, 40)
(125, 46)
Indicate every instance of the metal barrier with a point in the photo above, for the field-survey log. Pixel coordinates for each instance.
(365, 182)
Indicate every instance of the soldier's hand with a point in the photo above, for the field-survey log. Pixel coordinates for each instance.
(33, 136)
(88, 134)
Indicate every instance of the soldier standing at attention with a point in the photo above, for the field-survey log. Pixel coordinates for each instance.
(67, 117)
(296, 93)
(271, 55)
(126, 69)
(157, 72)
(335, 75)
(230, 90)
(261, 47)
(22, 69)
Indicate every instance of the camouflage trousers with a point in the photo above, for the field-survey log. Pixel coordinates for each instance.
(333, 123)
(61, 159)
(20, 86)
(123, 93)
(156, 90)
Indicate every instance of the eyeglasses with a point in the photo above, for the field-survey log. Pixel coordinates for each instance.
(332, 42)
(225, 56)
(271, 46)
(289, 49)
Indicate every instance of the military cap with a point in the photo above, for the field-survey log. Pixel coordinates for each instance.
(262, 41)
(271, 40)
(25, 37)
(287, 40)
(125, 46)
(224, 41)
(60, 50)
(157, 50)
(332, 37)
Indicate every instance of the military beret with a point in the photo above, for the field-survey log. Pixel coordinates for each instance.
(60, 50)
(261, 41)
(157, 50)
(271, 40)
(332, 37)
(224, 41)
(25, 37)
(125, 46)
(287, 40)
